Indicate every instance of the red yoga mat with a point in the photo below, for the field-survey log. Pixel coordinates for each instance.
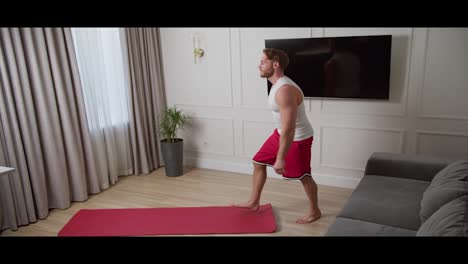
(170, 221)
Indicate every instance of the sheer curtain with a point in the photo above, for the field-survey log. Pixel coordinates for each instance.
(104, 77)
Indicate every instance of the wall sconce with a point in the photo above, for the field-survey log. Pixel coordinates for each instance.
(197, 51)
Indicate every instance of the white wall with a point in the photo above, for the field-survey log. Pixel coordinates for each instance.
(427, 112)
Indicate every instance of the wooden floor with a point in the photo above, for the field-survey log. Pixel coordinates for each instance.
(202, 187)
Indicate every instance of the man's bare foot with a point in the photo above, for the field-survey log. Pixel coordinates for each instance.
(309, 218)
(248, 205)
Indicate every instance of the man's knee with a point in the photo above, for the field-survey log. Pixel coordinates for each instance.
(258, 166)
(306, 179)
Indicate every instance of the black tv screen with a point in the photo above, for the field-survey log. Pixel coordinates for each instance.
(339, 67)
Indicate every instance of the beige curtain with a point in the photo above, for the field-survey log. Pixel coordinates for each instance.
(44, 132)
(147, 99)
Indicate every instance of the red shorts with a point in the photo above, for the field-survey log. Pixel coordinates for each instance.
(297, 159)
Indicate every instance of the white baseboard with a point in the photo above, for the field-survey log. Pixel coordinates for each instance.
(336, 181)
(218, 165)
(322, 179)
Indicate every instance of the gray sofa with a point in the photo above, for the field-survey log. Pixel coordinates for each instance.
(407, 195)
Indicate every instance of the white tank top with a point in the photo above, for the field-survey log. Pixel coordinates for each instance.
(303, 127)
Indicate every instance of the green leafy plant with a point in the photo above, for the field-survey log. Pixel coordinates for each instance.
(171, 120)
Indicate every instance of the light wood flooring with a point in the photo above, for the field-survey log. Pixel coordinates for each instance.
(202, 187)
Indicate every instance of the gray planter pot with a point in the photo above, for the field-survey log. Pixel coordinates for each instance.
(173, 156)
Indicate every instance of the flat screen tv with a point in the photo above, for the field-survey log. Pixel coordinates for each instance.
(338, 67)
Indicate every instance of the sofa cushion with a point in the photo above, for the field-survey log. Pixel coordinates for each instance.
(457, 170)
(387, 201)
(352, 227)
(450, 220)
(448, 184)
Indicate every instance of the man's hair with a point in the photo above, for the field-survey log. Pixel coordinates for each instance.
(277, 55)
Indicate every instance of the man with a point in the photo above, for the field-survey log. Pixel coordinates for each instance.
(288, 149)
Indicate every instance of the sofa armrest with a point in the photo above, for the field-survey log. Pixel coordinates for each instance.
(416, 167)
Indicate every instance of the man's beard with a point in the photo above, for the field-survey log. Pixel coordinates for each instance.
(267, 74)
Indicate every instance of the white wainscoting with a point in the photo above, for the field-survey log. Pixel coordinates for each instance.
(349, 147)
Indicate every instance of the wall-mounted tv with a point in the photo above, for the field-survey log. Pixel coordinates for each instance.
(339, 67)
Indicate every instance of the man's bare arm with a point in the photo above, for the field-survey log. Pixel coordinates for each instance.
(287, 101)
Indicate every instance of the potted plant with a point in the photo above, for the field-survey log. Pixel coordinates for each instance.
(172, 148)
